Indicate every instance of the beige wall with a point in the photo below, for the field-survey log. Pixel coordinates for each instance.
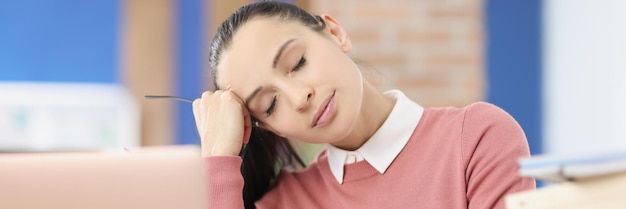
(148, 64)
(432, 50)
(219, 11)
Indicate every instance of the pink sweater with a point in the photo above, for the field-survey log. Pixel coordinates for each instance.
(456, 158)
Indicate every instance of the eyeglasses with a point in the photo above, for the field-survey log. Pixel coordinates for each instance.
(168, 97)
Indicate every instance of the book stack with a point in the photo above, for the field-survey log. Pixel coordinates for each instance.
(595, 180)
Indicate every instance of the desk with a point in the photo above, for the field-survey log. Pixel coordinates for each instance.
(598, 193)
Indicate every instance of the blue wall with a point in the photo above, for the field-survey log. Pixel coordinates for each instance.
(514, 63)
(59, 40)
(78, 41)
(190, 58)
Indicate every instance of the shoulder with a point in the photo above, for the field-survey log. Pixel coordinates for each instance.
(492, 142)
(293, 187)
(312, 172)
(485, 110)
(476, 108)
(462, 117)
(473, 117)
(483, 116)
(471, 124)
(288, 178)
(487, 127)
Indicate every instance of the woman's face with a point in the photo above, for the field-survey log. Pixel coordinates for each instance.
(299, 83)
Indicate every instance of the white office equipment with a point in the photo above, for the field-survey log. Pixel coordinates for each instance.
(66, 116)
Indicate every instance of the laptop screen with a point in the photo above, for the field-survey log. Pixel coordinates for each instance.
(164, 177)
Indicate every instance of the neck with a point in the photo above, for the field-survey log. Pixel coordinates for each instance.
(375, 109)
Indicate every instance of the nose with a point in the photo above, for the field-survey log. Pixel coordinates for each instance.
(300, 97)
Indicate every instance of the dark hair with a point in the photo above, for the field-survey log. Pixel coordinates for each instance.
(266, 153)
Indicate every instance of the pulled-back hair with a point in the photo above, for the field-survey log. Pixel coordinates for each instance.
(266, 153)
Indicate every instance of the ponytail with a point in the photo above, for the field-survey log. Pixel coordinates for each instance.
(263, 157)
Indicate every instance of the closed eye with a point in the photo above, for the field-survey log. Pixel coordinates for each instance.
(270, 110)
(300, 64)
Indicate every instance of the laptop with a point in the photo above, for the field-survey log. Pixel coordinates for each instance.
(154, 178)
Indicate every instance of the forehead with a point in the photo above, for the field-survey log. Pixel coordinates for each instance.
(253, 48)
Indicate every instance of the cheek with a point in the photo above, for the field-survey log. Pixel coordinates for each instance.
(287, 127)
(334, 64)
(323, 71)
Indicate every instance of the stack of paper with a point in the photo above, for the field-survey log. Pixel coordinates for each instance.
(558, 168)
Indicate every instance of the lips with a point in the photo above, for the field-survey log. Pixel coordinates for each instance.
(324, 111)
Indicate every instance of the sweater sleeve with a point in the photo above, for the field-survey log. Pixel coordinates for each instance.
(224, 182)
(492, 144)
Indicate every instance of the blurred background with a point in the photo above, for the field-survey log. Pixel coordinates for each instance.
(73, 73)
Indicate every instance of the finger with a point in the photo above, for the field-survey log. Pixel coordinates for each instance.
(247, 121)
(207, 94)
(226, 95)
(247, 125)
(196, 108)
(205, 99)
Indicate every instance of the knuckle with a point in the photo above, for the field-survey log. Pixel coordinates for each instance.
(226, 96)
(218, 94)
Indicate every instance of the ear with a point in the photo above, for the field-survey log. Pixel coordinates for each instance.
(337, 33)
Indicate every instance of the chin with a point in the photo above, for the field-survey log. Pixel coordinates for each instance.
(341, 128)
(333, 132)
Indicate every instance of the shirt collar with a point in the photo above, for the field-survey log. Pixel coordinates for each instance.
(383, 147)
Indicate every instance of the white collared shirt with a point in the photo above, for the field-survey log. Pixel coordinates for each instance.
(383, 147)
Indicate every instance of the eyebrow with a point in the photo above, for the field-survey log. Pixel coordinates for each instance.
(254, 93)
(276, 58)
(280, 52)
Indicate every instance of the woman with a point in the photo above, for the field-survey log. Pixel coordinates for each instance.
(283, 74)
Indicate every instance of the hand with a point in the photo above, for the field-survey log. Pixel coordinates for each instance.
(223, 123)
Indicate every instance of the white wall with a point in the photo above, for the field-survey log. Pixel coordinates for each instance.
(42, 116)
(584, 75)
